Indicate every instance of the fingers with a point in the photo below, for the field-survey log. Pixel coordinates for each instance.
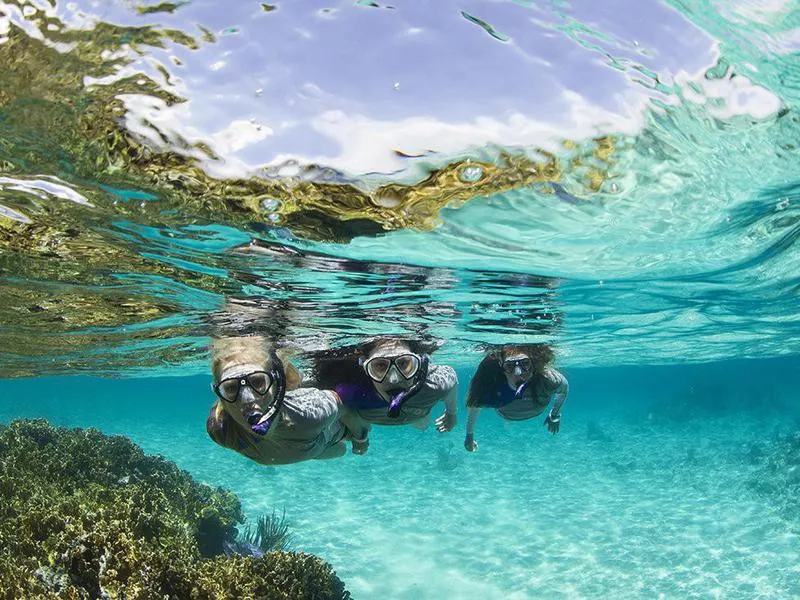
(444, 424)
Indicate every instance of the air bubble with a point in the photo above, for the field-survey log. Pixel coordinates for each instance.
(388, 199)
(270, 204)
(471, 174)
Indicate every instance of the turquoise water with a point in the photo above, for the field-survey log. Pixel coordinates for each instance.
(619, 180)
(650, 490)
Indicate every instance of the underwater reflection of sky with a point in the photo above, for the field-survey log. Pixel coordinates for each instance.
(345, 84)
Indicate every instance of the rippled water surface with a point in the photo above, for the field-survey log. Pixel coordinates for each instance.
(490, 171)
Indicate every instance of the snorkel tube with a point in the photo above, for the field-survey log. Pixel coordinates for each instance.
(398, 399)
(260, 423)
(521, 389)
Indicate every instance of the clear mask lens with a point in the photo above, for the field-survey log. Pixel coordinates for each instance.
(407, 365)
(517, 367)
(258, 381)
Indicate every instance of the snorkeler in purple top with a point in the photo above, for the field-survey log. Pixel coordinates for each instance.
(388, 381)
(519, 383)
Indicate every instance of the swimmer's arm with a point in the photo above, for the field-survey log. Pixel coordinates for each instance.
(450, 417)
(469, 440)
(451, 402)
(559, 396)
(313, 415)
(357, 428)
(472, 418)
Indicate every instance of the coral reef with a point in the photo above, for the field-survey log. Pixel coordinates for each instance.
(85, 515)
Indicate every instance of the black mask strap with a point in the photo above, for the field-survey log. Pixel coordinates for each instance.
(279, 377)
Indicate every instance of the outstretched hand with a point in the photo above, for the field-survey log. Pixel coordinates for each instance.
(470, 445)
(446, 422)
(553, 424)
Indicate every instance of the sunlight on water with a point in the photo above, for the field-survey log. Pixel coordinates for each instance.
(144, 146)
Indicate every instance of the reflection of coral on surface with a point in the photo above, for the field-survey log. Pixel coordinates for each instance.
(85, 515)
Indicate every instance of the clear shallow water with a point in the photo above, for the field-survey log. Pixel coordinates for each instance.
(620, 180)
(647, 491)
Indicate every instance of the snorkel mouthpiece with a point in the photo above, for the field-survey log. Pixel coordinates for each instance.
(398, 399)
(261, 428)
(397, 402)
(256, 426)
(520, 390)
(261, 422)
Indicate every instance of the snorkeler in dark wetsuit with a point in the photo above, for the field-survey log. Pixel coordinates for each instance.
(259, 413)
(519, 383)
(388, 381)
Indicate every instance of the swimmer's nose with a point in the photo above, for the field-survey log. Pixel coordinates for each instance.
(246, 394)
(518, 371)
(393, 376)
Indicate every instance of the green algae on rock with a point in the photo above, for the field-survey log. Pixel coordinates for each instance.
(86, 515)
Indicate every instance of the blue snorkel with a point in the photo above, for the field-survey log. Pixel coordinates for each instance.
(258, 424)
(521, 389)
(398, 399)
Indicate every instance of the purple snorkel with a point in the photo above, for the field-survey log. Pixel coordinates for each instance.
(258, 424)
(521, 389)
(398, 399)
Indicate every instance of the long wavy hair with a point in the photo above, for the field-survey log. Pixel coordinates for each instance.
(489, 376)
(341, 365)
(245, 349)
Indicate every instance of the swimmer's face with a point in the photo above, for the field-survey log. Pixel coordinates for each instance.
(247, 390)
(402, 366)
(517, 367)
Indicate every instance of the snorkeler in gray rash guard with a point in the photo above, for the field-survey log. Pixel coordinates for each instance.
(261, 415)
(518, 382)
(388, 381)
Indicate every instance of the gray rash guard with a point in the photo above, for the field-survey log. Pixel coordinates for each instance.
(306, 426)
(441, 381)
(552, 384)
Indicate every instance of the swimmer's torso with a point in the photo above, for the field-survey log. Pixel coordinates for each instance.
(440, 381)
(306, 426)
(535, 398)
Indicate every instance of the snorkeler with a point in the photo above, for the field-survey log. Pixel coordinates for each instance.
(388, 381)
(261, 414)
(518, 382)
